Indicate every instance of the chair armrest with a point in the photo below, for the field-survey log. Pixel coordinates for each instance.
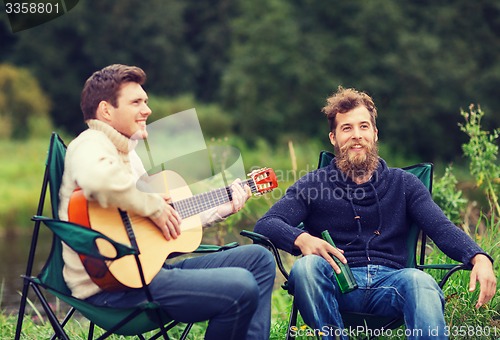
(209, 248)
(449, 267)
(266, 242)
(83, 240)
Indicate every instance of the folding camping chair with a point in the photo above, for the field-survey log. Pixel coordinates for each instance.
(424, 171)
(127, 321)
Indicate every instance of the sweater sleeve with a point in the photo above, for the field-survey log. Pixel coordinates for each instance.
(280, 223)
(450, 239)
(95, 166)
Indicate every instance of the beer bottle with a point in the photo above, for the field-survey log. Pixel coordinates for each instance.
(345, 279)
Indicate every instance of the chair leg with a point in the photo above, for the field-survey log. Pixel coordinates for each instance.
(22, 308)
(91, 331)
(186, 332)
(58, 329)
(29, 267)
(65, 321)
(292, 321)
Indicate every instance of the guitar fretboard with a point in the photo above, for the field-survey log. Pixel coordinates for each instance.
(201, 202)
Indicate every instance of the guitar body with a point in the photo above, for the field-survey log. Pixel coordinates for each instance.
(153, 247)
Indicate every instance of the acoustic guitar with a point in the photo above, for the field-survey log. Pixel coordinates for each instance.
(153, 247)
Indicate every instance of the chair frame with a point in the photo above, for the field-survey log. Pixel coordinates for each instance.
(370, 321)
(149, 310)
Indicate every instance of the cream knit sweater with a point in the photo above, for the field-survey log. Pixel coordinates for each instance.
(99, 162)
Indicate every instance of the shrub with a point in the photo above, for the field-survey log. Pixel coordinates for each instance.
(23, 104)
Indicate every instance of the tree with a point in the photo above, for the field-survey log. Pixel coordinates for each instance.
(273, 81)
(63, 53)
(21, 100)
(421, 61)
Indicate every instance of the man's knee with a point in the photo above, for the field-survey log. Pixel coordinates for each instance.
(309, 272)
(423, 284)
(308, 266)
(418, 278)
(244, 287)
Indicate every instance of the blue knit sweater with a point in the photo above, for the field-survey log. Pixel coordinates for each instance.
(385, 206)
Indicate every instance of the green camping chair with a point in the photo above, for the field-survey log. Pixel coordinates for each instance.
(416, 259)
(128, 321)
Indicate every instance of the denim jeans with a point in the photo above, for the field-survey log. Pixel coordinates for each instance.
(232, 289)
(381, 290)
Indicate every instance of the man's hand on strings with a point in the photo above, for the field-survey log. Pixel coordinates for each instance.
(169, 222)
(240, 195)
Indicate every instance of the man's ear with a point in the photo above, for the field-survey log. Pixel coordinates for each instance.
(376, 134)
(103, 111)
(331, 135)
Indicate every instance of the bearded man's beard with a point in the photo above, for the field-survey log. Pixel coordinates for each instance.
(357, 165)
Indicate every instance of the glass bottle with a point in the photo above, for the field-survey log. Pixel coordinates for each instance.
(346, 281)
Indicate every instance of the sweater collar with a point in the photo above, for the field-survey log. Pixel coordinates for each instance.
(122, 143)
(365, 194)
(361, 194)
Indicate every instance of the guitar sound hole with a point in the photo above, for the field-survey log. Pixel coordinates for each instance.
(95, 268)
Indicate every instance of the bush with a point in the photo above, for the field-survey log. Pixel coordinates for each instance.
(23, 104)
(448, 197)
(482, 151)
(213, 120)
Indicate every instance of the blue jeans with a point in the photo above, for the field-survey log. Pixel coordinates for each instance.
(232, 289)
(383, 291)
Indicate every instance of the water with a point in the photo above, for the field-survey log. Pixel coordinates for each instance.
(14, 251)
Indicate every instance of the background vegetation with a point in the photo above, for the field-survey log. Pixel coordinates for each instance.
(258, 73)
(270, 64)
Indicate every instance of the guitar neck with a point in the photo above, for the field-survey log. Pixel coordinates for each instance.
(198, 203)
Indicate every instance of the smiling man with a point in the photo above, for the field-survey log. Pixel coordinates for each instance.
(231, 289)
(367, 208)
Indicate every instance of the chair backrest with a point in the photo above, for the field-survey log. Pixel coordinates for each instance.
(51, 274)
(127, 321)
(424, 172)
(55, 165)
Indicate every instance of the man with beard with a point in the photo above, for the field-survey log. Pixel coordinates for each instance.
(367, 208)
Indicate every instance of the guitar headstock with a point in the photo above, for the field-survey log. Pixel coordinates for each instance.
(264, 180)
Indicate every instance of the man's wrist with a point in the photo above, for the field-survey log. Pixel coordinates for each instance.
(479, 258)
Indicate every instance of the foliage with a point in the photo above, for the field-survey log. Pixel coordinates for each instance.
(459, 301)
(446, 195)
(164, 37)
(284, 65)
(214, 121)
(271, 64)
(23, 104)
(482, 151)
(20, 181)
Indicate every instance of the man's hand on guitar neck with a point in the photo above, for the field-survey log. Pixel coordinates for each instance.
(169, 222)
(240, 194)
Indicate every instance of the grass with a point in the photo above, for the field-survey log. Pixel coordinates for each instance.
(21, 176)
(463, 319)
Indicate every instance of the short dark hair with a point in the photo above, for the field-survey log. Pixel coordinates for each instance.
(105, 85)
(345, 100)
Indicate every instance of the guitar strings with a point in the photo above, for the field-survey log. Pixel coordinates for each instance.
(201, 202)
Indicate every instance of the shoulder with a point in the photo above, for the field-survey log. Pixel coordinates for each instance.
(90, 141)
(399, 174)
(314, 177)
